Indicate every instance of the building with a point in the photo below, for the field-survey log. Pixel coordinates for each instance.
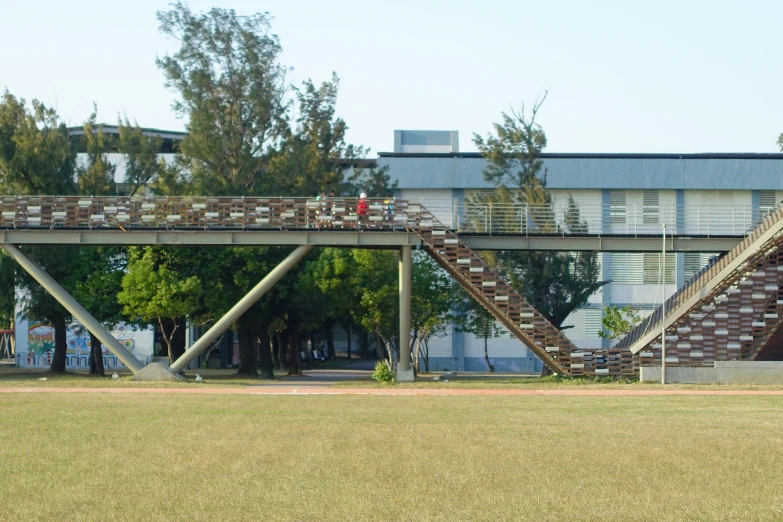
(632, 194)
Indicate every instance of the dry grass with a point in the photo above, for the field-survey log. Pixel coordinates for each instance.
(161, 457)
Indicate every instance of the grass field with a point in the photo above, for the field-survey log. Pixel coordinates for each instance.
(11, 377)
(207, 457)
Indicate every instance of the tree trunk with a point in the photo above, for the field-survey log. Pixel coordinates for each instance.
(247, 347)
(96, 356)
(265, 363)
(347, 328)
(364, 344)
(415, 355)
(178, 339)
(60, 343)
(545, 371)
(486, 356)
(379, 347)
(279, 351)
(294, 361)
(13, 337)
(426, 356)
(329, 341)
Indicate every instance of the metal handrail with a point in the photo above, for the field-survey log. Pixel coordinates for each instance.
(554, 219)
(702, 278)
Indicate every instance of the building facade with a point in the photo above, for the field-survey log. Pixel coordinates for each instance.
(625, 194)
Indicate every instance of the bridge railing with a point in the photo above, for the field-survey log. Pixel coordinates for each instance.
(78, 212)
(559, 218)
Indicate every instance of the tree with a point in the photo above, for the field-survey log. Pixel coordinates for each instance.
(231, 88)
(373, 181)
(432, 302)
(555, 283)
(94, 280)
(334, 272)
(473, 318)
(514, 154)
(36, 155)
(96, 178)
(618, 322)
(143, 165)
(153, 293)
(38, 158)
(376, 285)
(314, 155)
(7, 292)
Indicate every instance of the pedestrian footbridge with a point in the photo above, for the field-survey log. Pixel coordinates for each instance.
(744, 309)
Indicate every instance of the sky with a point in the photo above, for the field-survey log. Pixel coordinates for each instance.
(642, 76)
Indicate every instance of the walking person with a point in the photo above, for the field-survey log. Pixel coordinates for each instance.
(361, 209)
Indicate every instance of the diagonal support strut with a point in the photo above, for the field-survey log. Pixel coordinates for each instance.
(240, 308)
(70, 304)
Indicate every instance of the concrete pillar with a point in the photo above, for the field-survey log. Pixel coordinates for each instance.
(404, 370)
(77, 310)
(240, 308)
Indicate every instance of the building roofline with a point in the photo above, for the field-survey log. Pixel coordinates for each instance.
(600, 155)
(114, 129)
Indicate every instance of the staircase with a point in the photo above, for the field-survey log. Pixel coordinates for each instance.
(505, 304)
(730, 311)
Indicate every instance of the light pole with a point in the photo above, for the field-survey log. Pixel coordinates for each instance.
(663, 309)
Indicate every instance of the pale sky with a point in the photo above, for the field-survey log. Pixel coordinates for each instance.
(623, 76)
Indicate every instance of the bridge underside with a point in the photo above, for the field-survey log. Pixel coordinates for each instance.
(352, 238)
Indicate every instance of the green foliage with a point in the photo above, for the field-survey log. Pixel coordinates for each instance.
(432, 301)
(377, 290)
(57, 261)
(7, 291)
(382, 372)
(143, 166)
(231, 89)
(617, 323)
(375, 182)
(471, 317)
(513, 153)
(555, 283)
(314, 156)
(153, 292)
(36, 156)
(97, 177)
(95, 278)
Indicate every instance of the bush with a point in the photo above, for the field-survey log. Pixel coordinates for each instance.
(382, 372)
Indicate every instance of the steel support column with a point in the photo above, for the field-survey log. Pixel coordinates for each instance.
(240, 308)
(70, 304)
(404, 370)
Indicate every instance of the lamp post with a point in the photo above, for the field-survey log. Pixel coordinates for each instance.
(663, 309)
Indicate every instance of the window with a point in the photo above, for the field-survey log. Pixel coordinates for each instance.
(694, 262)
(617, 207)
(626, 268)
(593, 323)
(650, 207)
(652, 268)
(767, 201)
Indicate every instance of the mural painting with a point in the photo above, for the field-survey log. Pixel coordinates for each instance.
(40, 347)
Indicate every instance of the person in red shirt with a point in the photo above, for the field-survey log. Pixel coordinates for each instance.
(362, 208)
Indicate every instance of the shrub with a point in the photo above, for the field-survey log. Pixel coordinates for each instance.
(382, 372)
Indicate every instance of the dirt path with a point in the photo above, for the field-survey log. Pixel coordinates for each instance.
(292, 390)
